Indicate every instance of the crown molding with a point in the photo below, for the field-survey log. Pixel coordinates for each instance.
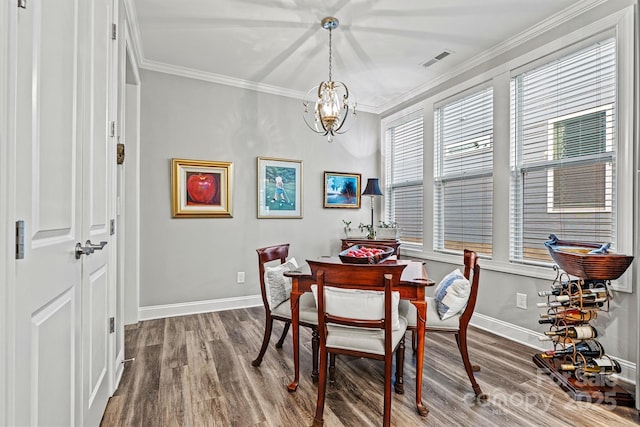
(565, 15)
(521, 38)
(232, 81)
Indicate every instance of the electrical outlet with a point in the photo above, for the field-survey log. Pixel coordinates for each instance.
(521, 301)
(240, 277)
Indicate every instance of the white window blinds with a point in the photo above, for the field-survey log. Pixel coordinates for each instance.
(463, 174)
(404, 166)
(563, 152)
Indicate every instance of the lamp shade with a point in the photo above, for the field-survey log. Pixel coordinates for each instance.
(372, 188)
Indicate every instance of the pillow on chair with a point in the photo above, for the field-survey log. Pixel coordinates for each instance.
(452, 294)
(358, 304)
(278, 287)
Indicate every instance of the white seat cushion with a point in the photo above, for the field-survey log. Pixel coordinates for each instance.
(358, 303)
(363, 339)
(277, 286)
(408, 310)
(308, 310)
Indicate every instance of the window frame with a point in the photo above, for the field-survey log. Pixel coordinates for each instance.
(620, 26)
(415, 112)
(440, 178)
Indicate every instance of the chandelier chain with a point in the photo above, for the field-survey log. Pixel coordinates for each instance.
(330, 53)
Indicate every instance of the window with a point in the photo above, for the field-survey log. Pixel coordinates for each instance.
(463, 177)
(563, 152)
(574, 138)
(404, 166)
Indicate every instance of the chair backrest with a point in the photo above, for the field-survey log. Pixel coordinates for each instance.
(380, 277)
(265, 255)
(472, 273)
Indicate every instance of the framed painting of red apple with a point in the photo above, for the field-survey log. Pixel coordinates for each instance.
(201, 188)
(279, 188)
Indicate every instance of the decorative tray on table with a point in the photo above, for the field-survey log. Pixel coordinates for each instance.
(365, 254)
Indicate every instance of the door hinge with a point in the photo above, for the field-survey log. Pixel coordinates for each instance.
(112, 325)
(112, 227)
(20, 239)
(112, 129)
(22, 4)
(114, 31)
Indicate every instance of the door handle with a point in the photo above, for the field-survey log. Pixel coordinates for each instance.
(95, 247)
(89, 248)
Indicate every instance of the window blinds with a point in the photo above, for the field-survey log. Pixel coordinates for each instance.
(463, 173)
(563, 151)
(404, 171)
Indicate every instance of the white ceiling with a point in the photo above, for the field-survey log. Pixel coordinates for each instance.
(279, 46)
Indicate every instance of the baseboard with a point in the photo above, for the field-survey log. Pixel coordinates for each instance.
(530, 338)
(183, 309)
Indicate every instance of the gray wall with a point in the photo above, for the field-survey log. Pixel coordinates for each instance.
(185, 260)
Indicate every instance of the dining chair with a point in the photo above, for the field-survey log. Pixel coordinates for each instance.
(455, 323)
(358, 316)
(277, 305)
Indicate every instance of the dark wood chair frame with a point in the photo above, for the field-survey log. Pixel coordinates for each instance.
(472, 273)
(265, 255)
(379, 278)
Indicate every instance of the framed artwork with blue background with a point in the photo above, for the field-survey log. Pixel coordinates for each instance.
(341, 190)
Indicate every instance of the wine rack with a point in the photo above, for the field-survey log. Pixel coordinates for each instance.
(578, 362)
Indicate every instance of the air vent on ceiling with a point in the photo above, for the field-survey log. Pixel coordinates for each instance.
(439, 57)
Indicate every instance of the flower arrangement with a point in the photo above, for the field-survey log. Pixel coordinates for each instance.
(388, 224)
(371, 232)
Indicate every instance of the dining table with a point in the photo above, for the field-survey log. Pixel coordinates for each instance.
(412, 286)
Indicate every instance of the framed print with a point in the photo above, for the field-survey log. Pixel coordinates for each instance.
(341, 190)
(279, 188)
(201, 188)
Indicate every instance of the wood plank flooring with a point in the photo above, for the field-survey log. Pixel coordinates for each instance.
(196, 371)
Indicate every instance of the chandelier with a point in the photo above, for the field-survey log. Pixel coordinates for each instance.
(331, 99)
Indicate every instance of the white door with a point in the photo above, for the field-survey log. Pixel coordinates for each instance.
(98, 166)
(60, 344)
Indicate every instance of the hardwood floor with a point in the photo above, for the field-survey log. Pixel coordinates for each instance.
(196, 371)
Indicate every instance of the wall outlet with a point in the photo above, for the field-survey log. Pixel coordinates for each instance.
(521, 301)
(240, 277)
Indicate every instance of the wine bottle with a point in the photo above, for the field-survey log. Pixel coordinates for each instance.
(588, 299)
(590, 348)
(602, 365)
(559, 288)
(569, 316)
(576, 332)
(572, 286)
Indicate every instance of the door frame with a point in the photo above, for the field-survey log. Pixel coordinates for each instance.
(8, 70)
(130, 129)
(6, 196)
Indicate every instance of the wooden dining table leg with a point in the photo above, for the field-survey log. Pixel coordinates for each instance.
(421, 307)
(295, 320)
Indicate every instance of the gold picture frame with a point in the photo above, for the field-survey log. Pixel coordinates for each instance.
(201, 188)
(341, 190)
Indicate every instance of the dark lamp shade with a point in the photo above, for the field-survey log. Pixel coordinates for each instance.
(372, 189)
